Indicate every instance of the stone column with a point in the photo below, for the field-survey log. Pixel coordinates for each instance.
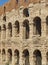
(13, 62)
(13, 30)
(7, 32)
(43, 28)
(21, 30)
(31, 29)
(43, 59)
(20, 60)
(6, 56)
(2, 33)
(31, 59)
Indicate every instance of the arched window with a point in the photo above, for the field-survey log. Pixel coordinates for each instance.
(10, 29)
(37, 57)
(16, 57)
(17, 27)
(3, 55)
(47, 25)
(26, 57)
(26, 29)
(47, 58)
(9, 55)
(26, 12)
(4, 27)
(37, 26)
(4, 31)
(4, 17)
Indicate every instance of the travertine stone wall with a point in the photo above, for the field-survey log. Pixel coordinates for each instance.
(18, 41)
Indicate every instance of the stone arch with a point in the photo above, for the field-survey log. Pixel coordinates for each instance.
(37, 25)
(3, 55)
(37, 57)
(16, 27)
(26, 29)
(10, 29)
(47, 25)
(9, 55)
(16, 57)
(26, 12)
(26, 57)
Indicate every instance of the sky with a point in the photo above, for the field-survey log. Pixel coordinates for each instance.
(2, 2)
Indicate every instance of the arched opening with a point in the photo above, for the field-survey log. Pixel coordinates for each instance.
(16, 28)
(16, 57)
(4, 17)
(47, 58)
(37, 26)
(47, 25)
(4, 31)
(26, 57)
(26, 12)
(37, 57)
(26, 29)
(9, 55)
(10, 29)
(3, 55)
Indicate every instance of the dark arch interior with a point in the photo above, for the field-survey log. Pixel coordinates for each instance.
(10, 54)
(9, 25)
(47, 56)
(4, 26)
(47, 25)
(47, 20)
(26, 53)
(10, 51)
(37, 53)
(0, 28)
(26, 25)
(37, 24)
(10, 28)
(17, 26)
(37, 57)
(26, 57)
(4, 18)
(26, 12)
(3, 51)
(16, 53)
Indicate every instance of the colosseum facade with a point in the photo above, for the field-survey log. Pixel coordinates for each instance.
(24, 32)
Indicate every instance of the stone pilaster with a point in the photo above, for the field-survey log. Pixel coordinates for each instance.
(21, 30)
(43, 27)
(20, 60)
(43, 59)
(31, 29)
